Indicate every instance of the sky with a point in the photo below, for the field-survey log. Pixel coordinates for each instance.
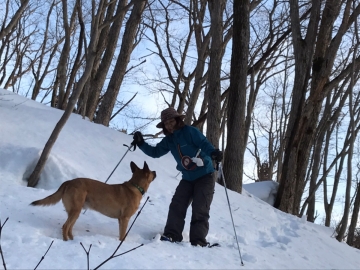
(266, 238)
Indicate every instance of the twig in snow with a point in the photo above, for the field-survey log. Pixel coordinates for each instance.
(112, 256)
(43, 257)
(87, 254)
(127, 251)
(1, 252)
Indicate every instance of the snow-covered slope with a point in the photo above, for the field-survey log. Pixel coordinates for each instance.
(268, 238)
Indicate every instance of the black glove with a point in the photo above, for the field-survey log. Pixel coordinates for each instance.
(217, 155)
(138, 138)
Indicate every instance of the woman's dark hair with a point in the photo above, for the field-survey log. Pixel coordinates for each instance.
(179, 124)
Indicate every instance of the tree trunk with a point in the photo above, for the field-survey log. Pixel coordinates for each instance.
(235, 148)
(303, 51)
(108, 101)
(5, 30)
(356, 207)
(354, 218)
(62, 66)
(352, 137)
(304, 115)
(216, 9)
(202, 44)
(345, 219)
(317, 159)
(105, 54)
(336, 182)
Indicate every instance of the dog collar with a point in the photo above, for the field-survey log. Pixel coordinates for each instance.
(142, 191)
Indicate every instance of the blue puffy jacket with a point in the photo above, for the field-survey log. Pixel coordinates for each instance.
(184, 144)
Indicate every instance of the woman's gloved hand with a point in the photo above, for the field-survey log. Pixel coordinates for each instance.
(217, 155)
(138, 138)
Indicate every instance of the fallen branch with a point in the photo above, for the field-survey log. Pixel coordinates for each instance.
(43, 257)
(1, 252)
(87, 254)
(127, 251)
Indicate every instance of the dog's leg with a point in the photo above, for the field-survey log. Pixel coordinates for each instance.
(65, 229)
(69, 224)
(73, 220)
(73, 202)
(123, 223)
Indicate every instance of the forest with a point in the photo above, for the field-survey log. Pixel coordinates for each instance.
(276, 81)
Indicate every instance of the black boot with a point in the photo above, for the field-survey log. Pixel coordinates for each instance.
(169, 238)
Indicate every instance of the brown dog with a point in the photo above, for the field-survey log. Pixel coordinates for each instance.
(116, 201)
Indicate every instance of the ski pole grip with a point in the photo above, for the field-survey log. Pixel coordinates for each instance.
(132, 144)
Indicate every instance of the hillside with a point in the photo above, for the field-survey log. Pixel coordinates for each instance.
(268, 238)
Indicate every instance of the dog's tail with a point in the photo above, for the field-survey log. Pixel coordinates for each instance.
(53, 198)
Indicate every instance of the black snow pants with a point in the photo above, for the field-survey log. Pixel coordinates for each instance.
(200, 193)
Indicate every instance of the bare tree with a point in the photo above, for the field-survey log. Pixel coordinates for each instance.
(351, 135)
(34, 177)
(351, 236)
(6, 29)
(354, 115)
(356, 207)
(45, 55)
(202, 46)
(104, 54)
(216, 8)
(235, 148)
(108, 100)
(184, 53)
(62, 66)
(270, 89)
(16, 42)
(172, 46)
(316, 53)
(268, 128)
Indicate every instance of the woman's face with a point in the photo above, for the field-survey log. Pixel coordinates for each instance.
(170, 125)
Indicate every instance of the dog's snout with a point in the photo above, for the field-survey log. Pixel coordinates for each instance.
(154, 174)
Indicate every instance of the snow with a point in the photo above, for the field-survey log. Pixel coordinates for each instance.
(268, 238)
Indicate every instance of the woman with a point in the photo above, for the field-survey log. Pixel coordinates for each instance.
(193, 154)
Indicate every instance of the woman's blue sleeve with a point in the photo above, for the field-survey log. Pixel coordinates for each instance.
(201, 141)
(157, 151)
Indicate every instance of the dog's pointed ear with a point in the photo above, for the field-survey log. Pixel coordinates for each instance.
(146, 167)
(133, 167)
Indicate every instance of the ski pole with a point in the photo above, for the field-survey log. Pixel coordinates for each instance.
(129, 147)
(219, 166)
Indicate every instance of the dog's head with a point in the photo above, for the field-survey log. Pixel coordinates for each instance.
(142, 177)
